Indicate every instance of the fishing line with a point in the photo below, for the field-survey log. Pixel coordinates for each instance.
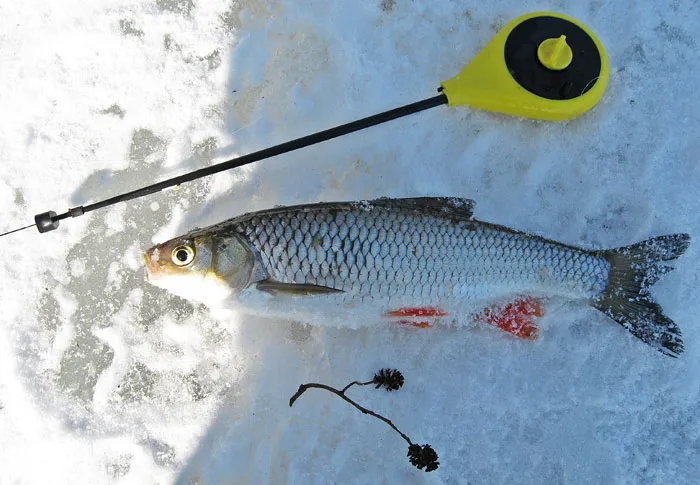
(17, 230)
(541, 65)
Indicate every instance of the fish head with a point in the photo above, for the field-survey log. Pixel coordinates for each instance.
(206, 268)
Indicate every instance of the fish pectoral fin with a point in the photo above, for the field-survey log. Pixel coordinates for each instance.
(272, 286)
(515, 317)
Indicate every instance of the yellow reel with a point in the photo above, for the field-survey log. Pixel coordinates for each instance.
(542, 65)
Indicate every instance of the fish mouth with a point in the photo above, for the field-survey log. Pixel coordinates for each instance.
(152, 266)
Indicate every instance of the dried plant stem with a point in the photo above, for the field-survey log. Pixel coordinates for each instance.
(341, 393)
(356, 383)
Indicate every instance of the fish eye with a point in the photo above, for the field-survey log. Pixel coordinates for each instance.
(182, 255)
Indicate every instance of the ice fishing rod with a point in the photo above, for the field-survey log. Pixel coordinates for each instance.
(541, 65)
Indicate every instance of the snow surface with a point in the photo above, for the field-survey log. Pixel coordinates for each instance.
(107, 379)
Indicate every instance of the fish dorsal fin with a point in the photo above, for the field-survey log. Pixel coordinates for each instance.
(445, 206)
(273, 286)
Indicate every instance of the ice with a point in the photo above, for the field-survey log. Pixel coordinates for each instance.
(107, 379)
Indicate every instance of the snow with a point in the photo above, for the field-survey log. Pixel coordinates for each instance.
(107, 379)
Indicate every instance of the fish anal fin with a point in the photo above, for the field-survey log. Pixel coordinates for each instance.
(515, 317)
(273, 286)
(428, 311)
(415, 323)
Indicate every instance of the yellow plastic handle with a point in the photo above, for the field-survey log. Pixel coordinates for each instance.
(486, 83)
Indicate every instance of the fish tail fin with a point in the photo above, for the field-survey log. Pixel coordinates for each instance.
(626, 299)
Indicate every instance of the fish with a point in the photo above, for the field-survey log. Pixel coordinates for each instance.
(415, 260)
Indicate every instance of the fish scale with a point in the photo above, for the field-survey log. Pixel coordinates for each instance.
(386, 253)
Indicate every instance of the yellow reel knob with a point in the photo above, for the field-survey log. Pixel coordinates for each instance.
(555, 54)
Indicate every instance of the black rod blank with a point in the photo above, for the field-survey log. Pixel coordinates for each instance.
(48, 221)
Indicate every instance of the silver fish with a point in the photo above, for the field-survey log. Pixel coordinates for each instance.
(424, 253)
